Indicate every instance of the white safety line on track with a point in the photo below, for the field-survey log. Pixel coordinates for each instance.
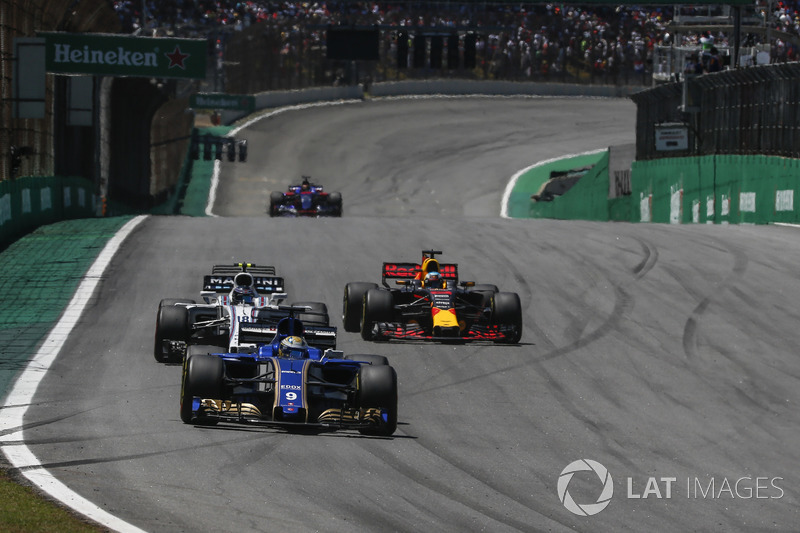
(12, 414)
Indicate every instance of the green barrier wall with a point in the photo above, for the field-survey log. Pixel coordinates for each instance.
(754, 189)
(29, 202)
(722, 189)
(528, 183)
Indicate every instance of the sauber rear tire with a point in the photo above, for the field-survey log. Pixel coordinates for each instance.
(507, 311)
(172, 324)
(317, 315)
(378, 389)
(378, 307)
(202, 378)
(352, 304)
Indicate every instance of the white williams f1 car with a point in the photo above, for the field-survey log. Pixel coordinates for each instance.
(241, 311)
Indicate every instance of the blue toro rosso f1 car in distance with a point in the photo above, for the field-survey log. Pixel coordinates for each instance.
(287, 383)
(305, 200)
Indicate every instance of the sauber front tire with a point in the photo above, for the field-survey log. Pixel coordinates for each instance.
(378, 389)
(202, 378)
(374, 360)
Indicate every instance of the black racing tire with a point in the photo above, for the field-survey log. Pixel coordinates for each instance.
(374, 360)
(317, 315)
(352, 304)
(275, 200)
(172, 323)
(507, 310)
(335, 200)
(202, 377)
(378, 389)
(378, 307)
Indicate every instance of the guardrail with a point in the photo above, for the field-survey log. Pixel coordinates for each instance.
(29, 202)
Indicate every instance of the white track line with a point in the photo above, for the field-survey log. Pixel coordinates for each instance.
(12, 415)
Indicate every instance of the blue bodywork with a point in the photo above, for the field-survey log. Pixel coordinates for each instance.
(323, 389)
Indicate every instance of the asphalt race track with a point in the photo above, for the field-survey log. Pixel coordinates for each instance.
(668, 354)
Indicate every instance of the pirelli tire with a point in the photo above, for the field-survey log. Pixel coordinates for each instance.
(378, 389)
(275, 200)
(378, 307)
(507, 311)
(352, 304)
(317, 314)
(335, 201)
(172, 324)
(202, 378)
(375, 360)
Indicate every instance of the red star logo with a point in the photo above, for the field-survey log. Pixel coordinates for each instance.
(176, 58)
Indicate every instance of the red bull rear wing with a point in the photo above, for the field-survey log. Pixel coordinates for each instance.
(448, 271)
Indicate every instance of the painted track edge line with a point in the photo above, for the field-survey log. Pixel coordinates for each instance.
(21, 395)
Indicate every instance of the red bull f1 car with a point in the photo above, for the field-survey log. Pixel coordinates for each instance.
(287, 383)
(429, 302)
(305, 200)
(240, 310)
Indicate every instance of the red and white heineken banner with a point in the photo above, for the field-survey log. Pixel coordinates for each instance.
(123, 55)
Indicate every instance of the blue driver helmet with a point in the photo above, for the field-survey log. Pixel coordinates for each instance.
(242, 295)
(433, 280)
(293, 347)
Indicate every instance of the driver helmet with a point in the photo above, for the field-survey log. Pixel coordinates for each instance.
(242, 295)
(293, 347)
(434, 280)
(305, 185)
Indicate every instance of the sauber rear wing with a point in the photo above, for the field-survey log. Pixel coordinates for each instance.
(448, 271)
(322, 337)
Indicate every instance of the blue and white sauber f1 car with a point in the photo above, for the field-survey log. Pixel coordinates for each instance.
(287, 383)
(241, 310)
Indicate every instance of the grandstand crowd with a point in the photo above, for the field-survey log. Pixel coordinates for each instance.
(518, 41)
